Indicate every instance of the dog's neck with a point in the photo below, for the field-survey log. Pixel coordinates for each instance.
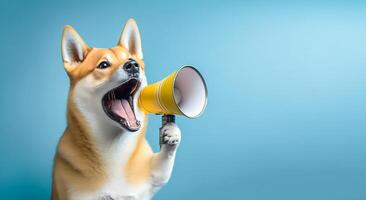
(109, 146)
(84, 113)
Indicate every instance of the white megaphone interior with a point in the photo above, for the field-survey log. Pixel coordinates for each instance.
(190, 92)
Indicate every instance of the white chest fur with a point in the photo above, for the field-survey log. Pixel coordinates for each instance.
(116, 185)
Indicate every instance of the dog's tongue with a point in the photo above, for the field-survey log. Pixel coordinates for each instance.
(123, 109)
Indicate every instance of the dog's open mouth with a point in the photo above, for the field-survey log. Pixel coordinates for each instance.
(118, 104)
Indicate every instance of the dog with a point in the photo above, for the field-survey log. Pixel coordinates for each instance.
(103, 153)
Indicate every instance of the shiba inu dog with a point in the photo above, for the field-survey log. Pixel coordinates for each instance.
(103, 153)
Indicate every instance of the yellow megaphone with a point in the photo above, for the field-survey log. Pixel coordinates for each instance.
(183, 92)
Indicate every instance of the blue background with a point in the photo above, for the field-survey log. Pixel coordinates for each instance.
(287, 104)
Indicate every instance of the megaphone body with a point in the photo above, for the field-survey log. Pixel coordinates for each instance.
(183, 92)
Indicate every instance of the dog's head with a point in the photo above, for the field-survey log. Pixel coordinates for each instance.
(106, 82)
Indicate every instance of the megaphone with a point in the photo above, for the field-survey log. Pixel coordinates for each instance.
(183, 92)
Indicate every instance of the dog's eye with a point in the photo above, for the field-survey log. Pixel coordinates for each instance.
(103, 65)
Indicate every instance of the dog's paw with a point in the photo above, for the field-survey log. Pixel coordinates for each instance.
(170, 134)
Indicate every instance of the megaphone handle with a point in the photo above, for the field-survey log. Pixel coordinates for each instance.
(167, 119)
(164, 120)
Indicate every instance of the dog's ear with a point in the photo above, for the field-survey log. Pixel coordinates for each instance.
(74, 49)
(131, 39)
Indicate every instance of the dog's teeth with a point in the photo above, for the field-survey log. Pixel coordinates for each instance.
(113, 95)
(138, 123)
(133, 89)
(128, 123)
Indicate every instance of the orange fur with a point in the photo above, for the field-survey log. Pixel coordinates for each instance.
(77, 162)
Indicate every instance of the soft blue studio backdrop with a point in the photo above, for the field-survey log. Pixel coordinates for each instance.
(287, 81)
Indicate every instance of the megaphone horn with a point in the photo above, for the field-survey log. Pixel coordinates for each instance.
(183, 92)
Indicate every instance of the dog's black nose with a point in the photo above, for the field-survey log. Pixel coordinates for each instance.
(132, 68)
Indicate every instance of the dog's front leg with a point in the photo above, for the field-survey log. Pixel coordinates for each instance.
(162, 162)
